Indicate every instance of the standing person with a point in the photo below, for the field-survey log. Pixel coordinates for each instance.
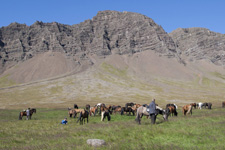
(28, 113)
(64, 121)
(152, 111)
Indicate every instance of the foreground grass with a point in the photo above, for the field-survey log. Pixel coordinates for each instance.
(205, 129)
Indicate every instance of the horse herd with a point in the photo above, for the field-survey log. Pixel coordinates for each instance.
(140, 110)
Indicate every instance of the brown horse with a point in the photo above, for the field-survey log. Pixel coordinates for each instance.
(223, 104)
(93, 110)
(187, 109)
(193, 105)
(173, 110)
(74, 112)
(83, 114)
(24, 113)
(117, 109)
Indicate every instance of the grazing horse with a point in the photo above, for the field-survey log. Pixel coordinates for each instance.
(129, 104)
(114, 107)
(204, 105)
(93, 110)
(187, 109)
(71, 112)
(74, 112)
(193, 105)
(117, 109)
(199, 105)
(105, 112)
(223, 104)
(172, 110)
(127, 109)
(172, 105)
(75, 106)
(24, 113)
(142, 111)
(83, 114)
(209, 105)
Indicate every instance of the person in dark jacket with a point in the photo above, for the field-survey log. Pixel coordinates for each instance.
(152, 111)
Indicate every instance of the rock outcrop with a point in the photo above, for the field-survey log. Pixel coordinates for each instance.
(200, 43)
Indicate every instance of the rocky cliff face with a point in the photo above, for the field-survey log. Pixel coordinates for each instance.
(109, 32)
(200, 43)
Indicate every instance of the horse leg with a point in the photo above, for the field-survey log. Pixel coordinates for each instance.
(102, 116)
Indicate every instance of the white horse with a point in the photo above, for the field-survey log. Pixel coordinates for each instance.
(200, 105)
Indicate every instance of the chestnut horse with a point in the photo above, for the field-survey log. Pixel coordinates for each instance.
(172, 110)
(93, 110)
(193, 105)
(187, 109)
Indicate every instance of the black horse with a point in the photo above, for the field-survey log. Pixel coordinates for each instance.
(127, 109)
(129, 104)
(209, 105)
(204, 105)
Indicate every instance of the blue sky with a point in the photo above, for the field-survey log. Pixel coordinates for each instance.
(170, 14)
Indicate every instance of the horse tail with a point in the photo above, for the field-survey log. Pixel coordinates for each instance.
(20, 118)
(79, 117)
(122, 110)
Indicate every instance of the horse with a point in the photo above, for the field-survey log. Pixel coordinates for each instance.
(117, 109)
(127, 109)
(172, 105)
(199, 105)
(93, 110)
(75, 106)
(129, 104)
(83, 114)
(142, 111)
(204, 105)
(193, 105)
(105, 112)
(172, 110)
(187, 109)
(71, 113)
(87, 107)
(223, 104)
(114, 107)
(209, 105)
(74, 112)
(24, 113)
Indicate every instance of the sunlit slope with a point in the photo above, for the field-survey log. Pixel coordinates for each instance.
(119, 79)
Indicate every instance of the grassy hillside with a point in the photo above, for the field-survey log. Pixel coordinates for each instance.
(203, 130)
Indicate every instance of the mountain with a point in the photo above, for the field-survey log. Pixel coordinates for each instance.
(200, 43)
(115, 57)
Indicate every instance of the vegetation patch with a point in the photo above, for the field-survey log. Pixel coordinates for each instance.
(6, 82)
(203, 130)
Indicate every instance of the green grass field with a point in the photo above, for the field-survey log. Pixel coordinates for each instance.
(205, 129)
